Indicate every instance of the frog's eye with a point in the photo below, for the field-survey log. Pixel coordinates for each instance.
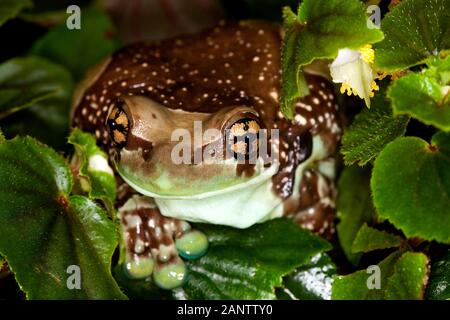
(243, 137)
(118, 124)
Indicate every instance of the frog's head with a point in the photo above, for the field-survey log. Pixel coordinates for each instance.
(172, 153)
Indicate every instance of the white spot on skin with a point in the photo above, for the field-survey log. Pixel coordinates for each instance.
(139, 246)
(133, 221)
(274, 95)
(300, 120)
(304, 106)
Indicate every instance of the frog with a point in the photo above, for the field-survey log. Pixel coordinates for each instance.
(227, 79)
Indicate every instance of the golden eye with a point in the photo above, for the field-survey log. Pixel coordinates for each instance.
(118, 125)
(243, 137)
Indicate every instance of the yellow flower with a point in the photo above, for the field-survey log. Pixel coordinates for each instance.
(353, 68)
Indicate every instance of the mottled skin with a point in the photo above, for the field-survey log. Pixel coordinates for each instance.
(219, 76)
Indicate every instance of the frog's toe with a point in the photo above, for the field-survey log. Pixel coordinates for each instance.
(192, 245)
(139, 267)
(171, 274)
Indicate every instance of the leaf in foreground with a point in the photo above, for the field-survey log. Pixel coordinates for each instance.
(409, 278)
(414, 30)
(311, 281)
(371, 130)
(320, 29)
(44, 230)
(411, 186)
(369, 239)
(438, 287)
(92, 165)
(422, 97)
(248, 264)
(402, 276)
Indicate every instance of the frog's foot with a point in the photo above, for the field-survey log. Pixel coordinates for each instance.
(154, 243)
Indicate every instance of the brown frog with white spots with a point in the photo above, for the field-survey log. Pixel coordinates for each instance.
(147, 98)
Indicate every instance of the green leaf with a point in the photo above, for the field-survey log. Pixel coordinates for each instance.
(311, 281)
(45, 89)
(439, 69)
(354, 286)
(249, 263)
(11, 8)
(78, 50)
(354, 207)
(320, 29)
(371, 130)
(414, 30)
(368, 239)
(409, 277)
(402, 276)
(429, 102)
(411, 186)
(96, 175)
(25, 82)
(44, 230)
(439, 283)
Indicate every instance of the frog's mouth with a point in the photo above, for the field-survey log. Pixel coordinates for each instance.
(240, 205)
(258, 179)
